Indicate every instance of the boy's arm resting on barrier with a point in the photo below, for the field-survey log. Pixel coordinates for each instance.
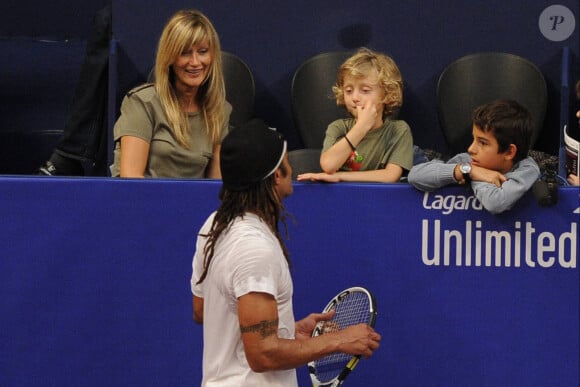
(519, 181)
(435, 174)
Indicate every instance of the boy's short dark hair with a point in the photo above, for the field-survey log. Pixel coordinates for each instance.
(509, 122)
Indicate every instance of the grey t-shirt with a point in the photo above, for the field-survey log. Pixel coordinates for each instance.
(142, 116)
(391, 143)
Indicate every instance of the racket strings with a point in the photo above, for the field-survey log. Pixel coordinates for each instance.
(352, 309)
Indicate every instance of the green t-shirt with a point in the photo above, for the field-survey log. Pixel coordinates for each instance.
(142, 116)
(391, 143)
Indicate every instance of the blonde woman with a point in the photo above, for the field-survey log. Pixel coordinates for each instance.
(174, 127)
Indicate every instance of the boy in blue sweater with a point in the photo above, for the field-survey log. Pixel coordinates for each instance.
(496, 165)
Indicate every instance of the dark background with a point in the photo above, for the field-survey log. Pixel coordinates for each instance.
(42, 45)
(275, 37)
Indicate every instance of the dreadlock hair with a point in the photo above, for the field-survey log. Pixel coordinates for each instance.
(260, 199)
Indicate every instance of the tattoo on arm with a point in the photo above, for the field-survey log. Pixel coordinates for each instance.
(265, 328)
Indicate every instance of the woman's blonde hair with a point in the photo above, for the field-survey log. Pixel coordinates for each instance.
(360, 65)
(185, 29)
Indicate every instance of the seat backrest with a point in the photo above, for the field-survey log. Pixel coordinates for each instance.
(313, 103)
(240, 87)
(476, 79)
(304, 161)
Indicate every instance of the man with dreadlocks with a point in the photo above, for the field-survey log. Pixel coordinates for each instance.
(241, 283)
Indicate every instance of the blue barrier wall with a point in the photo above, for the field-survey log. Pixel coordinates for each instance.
(94, 277)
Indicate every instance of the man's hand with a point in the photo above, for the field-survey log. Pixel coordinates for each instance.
(305, 326)
(359, 339)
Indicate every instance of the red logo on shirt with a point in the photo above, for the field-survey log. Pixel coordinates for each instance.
(354, 161)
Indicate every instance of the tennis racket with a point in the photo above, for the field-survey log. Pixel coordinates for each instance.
(352, 306)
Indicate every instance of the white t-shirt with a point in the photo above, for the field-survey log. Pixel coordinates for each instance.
(248, 258)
